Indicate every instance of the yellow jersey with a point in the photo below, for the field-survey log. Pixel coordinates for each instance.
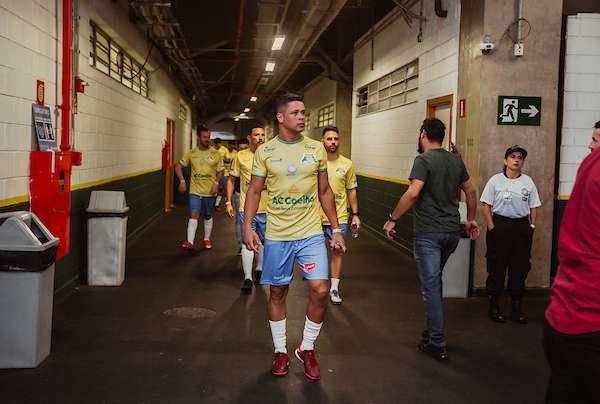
(205, 164)
(228, 160)
(291, 170)
(342, 178)
(241, 167)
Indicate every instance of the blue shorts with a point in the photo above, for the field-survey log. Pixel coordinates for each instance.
(259, 224)
(204, 205)
(223, 182)
(278, 265)
(328, 231)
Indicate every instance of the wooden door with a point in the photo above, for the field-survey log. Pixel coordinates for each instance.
(169, 172)
(442, 108)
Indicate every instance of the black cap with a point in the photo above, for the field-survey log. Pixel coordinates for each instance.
(515, 148)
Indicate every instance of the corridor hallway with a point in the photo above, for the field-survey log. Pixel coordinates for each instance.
(117, 345)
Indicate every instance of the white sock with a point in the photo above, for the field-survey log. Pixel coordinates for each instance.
(278, 333)
(191, 231)
(218, 201)
(247, 258)
(208, 225)
(259, 259)
(334, 283)
(311, 332)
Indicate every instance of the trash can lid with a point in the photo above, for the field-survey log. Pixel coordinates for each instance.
(107, 202)
(23, 231)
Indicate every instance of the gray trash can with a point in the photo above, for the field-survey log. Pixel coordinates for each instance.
(27, 258)
(455, 276)
(107, 233)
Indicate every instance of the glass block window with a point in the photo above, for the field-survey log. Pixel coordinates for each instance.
(392, 90)
(110, 58)
(325, 116)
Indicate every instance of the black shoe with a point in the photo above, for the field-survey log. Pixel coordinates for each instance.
(425, 337)
(439, 353)
(246, 287)
(494, 312)
(257, 275)
(517, 315)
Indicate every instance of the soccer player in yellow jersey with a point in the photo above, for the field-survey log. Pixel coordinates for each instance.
(241, 167)
(218, 146)
(295, 170)
(342, 179)
(206, 171)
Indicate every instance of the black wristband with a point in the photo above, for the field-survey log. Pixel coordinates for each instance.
(391, 219)
(355, 214)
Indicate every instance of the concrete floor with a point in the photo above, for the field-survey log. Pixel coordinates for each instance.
(116, 345)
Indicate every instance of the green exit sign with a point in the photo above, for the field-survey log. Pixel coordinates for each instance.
(515, 110)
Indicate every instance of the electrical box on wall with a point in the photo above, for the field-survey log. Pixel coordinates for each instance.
(519, 49)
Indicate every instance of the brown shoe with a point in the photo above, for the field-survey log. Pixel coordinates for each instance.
(311, 366)
(280, 365)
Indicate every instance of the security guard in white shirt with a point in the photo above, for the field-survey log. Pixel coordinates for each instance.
(510, 200)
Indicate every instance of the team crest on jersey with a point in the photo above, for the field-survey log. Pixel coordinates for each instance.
(525, 194)
(202, 162)
(292, 169)
(340, 171)
(308, 159)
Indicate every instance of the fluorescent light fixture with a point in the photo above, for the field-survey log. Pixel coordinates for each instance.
(270, 66)
(246, 109)
(278, 43)
(253, 99)
(236, 119)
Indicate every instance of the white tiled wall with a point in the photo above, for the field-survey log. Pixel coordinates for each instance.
(581, 94)
(384, 143)
(118, 131)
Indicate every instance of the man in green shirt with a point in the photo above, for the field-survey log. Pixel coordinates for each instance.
(434, 180)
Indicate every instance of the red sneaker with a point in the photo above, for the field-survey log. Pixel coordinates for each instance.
(187, 246)
(207, 244)
(280, 364)
(311, 366)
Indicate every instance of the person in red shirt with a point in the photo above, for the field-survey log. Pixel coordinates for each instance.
(572, 330)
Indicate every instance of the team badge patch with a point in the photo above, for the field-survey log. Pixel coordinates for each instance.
(308, 159)
(309, 267)
(292, 169)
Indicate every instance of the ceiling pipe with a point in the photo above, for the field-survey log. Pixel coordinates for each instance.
(439, 10)
(238, 37)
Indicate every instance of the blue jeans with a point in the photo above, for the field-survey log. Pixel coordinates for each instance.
(432, 250)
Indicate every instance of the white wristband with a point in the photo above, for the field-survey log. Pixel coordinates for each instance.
(336, 230)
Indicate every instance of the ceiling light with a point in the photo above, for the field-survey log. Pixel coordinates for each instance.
(246, 109)
(278, 43)
(236, 119)
(270, 66)
(253, 99)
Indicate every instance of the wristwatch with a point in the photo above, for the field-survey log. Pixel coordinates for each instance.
(355, 214)
(532, 226)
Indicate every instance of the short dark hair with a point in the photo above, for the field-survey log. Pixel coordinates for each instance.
(258, 126)
(242, 141)
(434, 129)
(201, 129)
(597, 125)
(330, 128)
(285, 99)
(217, 140)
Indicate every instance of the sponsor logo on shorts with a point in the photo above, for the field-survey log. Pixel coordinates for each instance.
(290, 200)
(309, 266)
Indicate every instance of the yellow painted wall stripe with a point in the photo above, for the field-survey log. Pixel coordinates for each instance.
(388, 179)
(14, 201)
(25, 198)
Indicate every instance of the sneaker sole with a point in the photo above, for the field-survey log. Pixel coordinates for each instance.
(279, 374)
(336, 303)
(309, 377)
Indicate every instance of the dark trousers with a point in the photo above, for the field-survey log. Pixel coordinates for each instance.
(575, 367)
(508, 248)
